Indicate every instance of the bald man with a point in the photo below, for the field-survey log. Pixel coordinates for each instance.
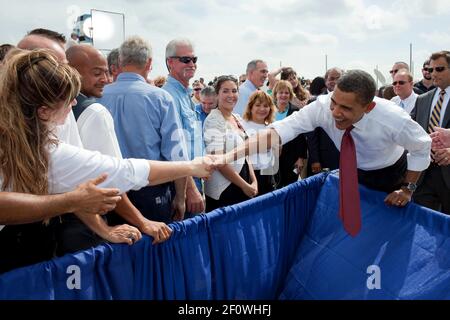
(96, 127)
(33, 41)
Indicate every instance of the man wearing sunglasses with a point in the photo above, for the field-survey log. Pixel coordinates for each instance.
(147, 127)
(432, 110)
(182, 64)
(403, 88)
(402, 65)
(426, 84)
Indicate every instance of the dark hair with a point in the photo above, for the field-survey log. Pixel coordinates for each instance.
(359, 82)
(426, 63)
(208, 91)
(113, 58)
(299, 91)
(50, 34)
(441, 54)
(220, 80)
(286, 73)
(388, 92)
(4, 48)
(317, 86)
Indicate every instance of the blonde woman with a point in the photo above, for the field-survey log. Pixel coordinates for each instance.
(36, 94)
(259, 113)
(223, 130)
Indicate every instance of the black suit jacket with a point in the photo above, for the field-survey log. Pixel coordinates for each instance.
(421, 114)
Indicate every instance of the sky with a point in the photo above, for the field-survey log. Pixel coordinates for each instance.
(227, 34)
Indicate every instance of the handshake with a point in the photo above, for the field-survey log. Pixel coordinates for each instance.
(203, 167)
(440, 146)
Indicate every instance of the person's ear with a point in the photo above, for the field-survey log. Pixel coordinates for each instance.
(148, 65)
(371, 106)
(44, 113)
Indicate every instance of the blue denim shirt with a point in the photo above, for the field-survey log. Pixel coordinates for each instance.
(145, 119)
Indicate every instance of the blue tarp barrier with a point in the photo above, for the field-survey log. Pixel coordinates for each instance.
(289, 244)
(240, 252)
(400, 253)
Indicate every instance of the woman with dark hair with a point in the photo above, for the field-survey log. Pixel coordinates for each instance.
(316, 88)
(36, 94)
(301, 95)
(234, 182)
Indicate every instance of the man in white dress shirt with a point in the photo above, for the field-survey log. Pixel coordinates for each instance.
(381, 133)
(96, 127)
(403, 87)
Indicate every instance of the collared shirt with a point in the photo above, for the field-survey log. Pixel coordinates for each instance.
(245, 91)
(444, 105)
(200, 113)
(96, 127)
(381, 136)
(192, 125)
(145, 119)
(408, 103)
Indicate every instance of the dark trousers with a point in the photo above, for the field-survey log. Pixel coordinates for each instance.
(265, 182)
(73, 235)
(386, 179)
(155, 203)
(231, 195)
(432, 192)
(25, 244)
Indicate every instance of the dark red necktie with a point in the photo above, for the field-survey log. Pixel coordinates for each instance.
(349, 203)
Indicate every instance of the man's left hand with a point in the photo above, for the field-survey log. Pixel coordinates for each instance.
(398, 198)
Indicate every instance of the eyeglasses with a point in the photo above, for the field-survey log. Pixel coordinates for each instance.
(186, 60)
(393, 71)
(401, 82)
(197, 89)
(437, 69)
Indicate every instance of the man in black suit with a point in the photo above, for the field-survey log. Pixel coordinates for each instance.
(431, 110)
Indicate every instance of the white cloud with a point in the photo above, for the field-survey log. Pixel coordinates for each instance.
(420, 8)
(437, 38)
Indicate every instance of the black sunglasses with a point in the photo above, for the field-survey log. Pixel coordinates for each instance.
(197, 89)
(401, 82)
(393, 71)
(186, 60)
(438, 69)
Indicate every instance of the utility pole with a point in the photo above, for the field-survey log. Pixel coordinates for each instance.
(326, 63)
(411, 67)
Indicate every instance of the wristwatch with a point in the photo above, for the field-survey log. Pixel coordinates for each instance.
(410, 186)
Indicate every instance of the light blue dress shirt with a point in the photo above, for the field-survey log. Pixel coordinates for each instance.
(245, 91)
(145, 119)
(192, 125)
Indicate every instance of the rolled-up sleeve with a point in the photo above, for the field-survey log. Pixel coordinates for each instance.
(418, 143)
(71, 166)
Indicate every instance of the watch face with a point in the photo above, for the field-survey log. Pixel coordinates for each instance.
(412, 186)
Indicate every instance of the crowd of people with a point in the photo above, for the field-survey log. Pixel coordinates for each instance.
(117, 154)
